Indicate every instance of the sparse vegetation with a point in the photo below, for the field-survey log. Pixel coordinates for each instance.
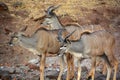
(74, 8)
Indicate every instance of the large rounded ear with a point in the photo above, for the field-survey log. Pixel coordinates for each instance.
(7, 31)
(23, 29)
(45, 11)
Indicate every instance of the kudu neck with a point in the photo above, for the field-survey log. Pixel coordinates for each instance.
(56, 24)
(27, 41)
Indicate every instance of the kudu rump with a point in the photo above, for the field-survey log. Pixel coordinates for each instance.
(97, 44)
(43, 41)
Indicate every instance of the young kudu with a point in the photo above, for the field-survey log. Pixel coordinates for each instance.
(52, 20)
(97, 44)
(41, 43)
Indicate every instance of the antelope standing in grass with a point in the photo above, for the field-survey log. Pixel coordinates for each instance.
(41, 43)
(52, 20)
(97, 44)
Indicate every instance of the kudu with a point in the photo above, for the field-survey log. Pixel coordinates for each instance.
(53, 21)
(97, 44)
(41, 43)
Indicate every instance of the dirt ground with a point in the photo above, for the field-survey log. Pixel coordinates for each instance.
(17, 63)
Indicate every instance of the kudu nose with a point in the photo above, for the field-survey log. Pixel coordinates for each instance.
(41, 22)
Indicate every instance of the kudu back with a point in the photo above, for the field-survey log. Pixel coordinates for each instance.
(41, 43)
(97, 44)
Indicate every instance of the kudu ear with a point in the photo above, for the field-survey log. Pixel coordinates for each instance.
(7, 31)
(46, 13)
(23, 29)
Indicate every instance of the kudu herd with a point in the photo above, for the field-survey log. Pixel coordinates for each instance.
(81, 42)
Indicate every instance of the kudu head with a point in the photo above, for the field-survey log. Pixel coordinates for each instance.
(50, 11)
(64, 42)
(50, 16)
(15, 36)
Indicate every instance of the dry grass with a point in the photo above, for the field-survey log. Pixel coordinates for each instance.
(74, 8)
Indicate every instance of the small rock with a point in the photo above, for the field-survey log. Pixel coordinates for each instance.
(35, 78)
(9, 69)
(18, 70)
(99, 76)
(52, 74)
(34, 61)
(5, 75)
(33, 66)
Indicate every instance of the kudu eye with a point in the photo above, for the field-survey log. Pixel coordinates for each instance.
(65, 46)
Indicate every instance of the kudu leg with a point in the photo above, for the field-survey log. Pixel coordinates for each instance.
(104, 70)
(115, 64)
(92, 70)
(115, 68)
(62, 64)
(109, 67)
(72, 67)
(79, 70)
(109, 70)
(42, 66)
(69, 66)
